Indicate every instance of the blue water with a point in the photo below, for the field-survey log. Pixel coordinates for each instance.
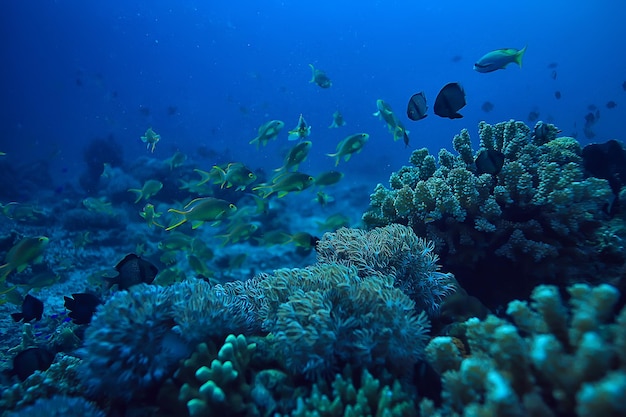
(76, 70)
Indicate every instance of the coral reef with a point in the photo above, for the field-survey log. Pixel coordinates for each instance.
(553, 361)
(59, 406)
(537, 215)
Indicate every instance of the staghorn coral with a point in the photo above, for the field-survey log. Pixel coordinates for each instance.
(537, 215)
(354, 397)
(326, 315)
(393, 250)
(553, 361)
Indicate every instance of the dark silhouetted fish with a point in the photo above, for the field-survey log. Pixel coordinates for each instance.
(450, 100)
(487, 106)
(553, 65)
(30, 360)
(172, 110)
(553, 75)
(32, 309)
(533, 116)
(592, 107)
(624, 86)
(557, 95)
(489, 161)
(82, 306)
(611, 105)
(457, 58)
(416, 109)
(133, 270)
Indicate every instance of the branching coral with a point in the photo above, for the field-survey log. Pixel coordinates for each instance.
(554, 361)
(345, 397)
(539, 209)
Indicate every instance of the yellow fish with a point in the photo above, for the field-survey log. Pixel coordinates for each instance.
(286, 183)
(267, 132)
(26, 251)
(206, 209)
(301, 131)
(150, 215)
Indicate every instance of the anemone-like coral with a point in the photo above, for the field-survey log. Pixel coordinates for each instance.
(553, 361)
(136, 339)
(393, 251)
(536, 215)
(325, 316)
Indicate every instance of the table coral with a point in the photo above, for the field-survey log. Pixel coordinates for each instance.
(539, 210)
(555, 359)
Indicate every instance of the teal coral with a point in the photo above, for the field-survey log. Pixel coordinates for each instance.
(552, 361)
(59, 406)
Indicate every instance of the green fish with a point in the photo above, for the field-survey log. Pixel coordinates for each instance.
(320, 78)
(499, 59)
(337, 120)
(285, 183)
(23, 253)
(151, 138)
(150, 188)
(348, 146)
(150, 215)
(296, 156)
(386, 114)
(328, 178)
(200, 210)
(267, 132)
(236, 175)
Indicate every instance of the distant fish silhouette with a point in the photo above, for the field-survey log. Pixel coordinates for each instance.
(533, 116)
(487, 106)
(32, 309)
(611, 104)
(133, 270)
(82, 306)
(557, 95)
(450, 100)
(489, 161)
(553, 65)
(553, 75)
(416, 109)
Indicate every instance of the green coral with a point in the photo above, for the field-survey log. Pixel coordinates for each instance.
(556, 359)
(219, 385)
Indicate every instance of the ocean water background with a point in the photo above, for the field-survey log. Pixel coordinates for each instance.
(73, 71)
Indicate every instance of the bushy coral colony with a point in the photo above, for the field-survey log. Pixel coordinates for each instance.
(376, 326)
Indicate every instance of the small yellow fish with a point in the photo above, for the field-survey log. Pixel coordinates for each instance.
(320, 78)
(150, 215)
(199, 267)
(21, 211)
(151, 138)
(337, 120)
(23, 253)
(175, 241)
(150, 189)
(385, 112)
(348, 146)
(334, 222)
(267, 132)
(200, 210)
(323, 199)
(274, 237)
(285, 183)
(301, 131)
